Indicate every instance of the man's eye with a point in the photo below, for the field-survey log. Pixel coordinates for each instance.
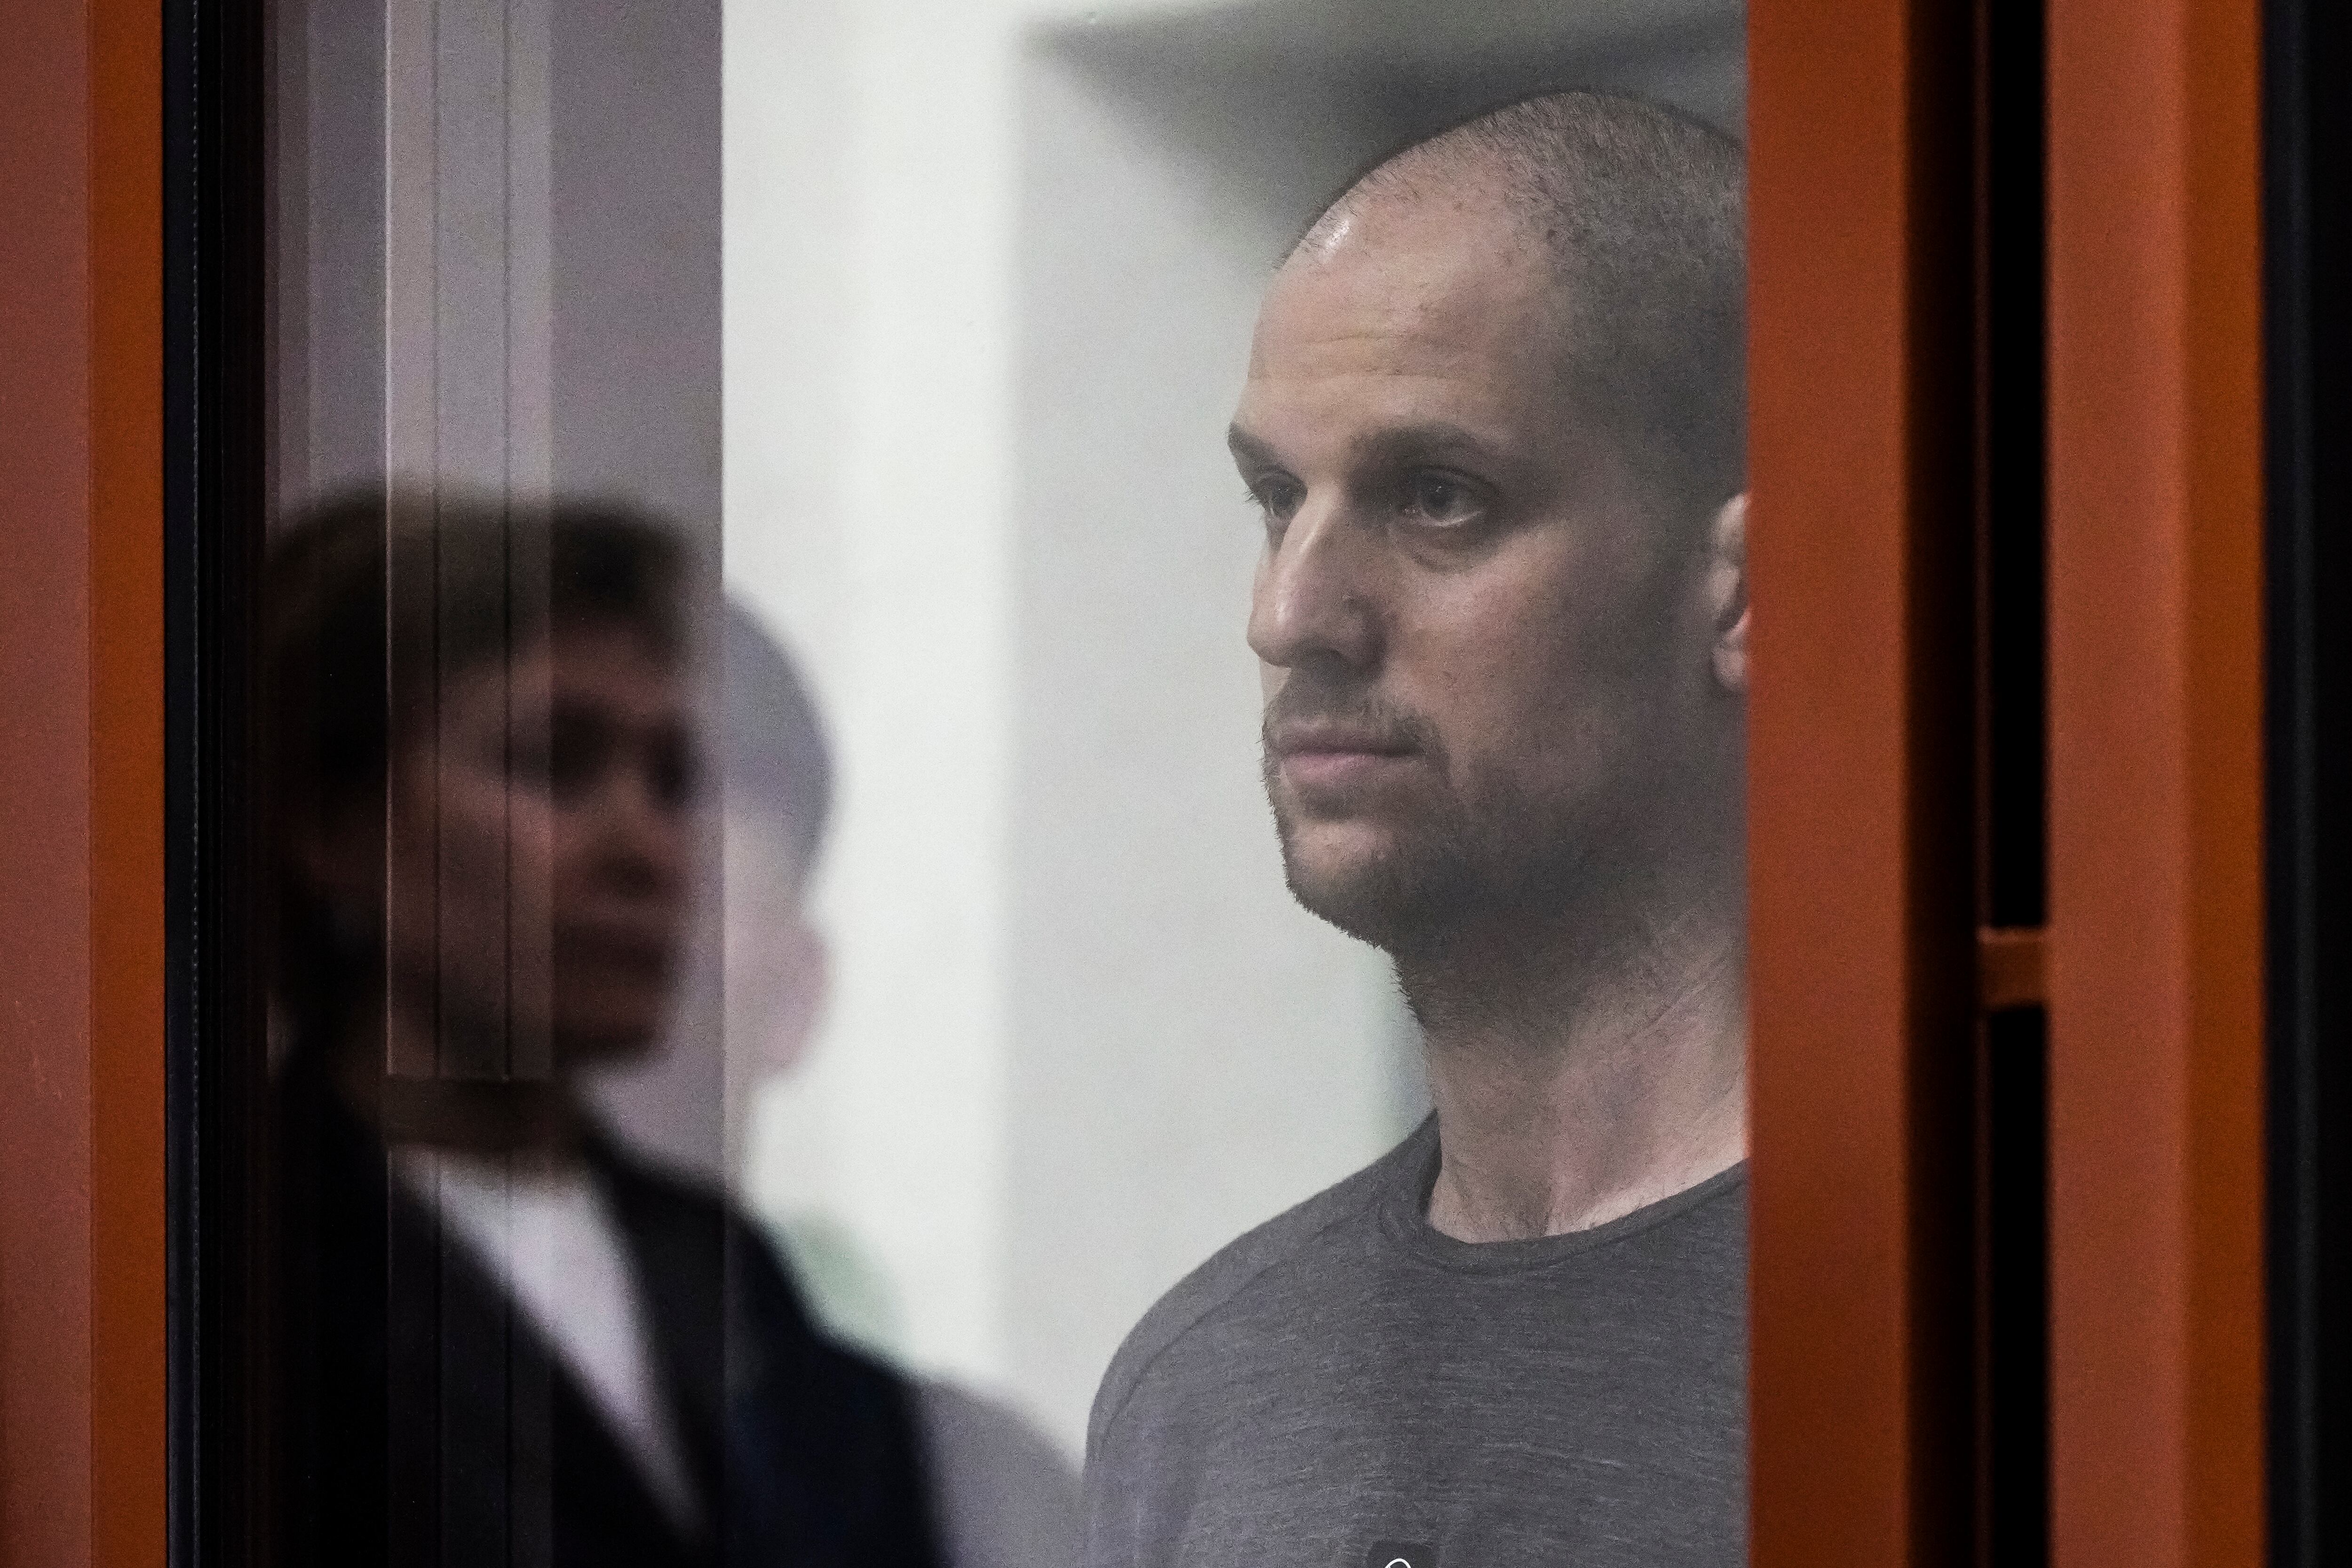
(1443, 500)
(1277, 497)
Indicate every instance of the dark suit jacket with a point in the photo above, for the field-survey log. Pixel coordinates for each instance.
(424, 1423)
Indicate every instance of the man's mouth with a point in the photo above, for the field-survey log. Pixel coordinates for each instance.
(1313, 756)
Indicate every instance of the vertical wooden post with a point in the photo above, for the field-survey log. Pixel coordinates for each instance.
(2156, 939)
(82, 768)
(1860, 837)
(127, 1140)
(44, 1226)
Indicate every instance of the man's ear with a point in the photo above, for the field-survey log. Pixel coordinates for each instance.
(1727, 591)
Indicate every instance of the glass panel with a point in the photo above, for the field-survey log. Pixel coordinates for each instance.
(782, 961)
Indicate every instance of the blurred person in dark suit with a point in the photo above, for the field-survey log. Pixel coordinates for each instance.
(500, 1337)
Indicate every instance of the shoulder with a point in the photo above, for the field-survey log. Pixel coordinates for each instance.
(1213, 1289)
(825, 1436)
(646, 1192)
(680, 1217)
(698, 1254)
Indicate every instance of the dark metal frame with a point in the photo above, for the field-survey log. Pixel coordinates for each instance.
(2307, 245)
(214, 449)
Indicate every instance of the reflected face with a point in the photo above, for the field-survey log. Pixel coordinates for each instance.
(560, 805)
(1481, 651)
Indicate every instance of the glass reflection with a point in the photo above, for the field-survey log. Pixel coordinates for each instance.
(505, 1337)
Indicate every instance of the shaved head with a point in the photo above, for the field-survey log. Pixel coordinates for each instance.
(1493, 425)
(1637, 215)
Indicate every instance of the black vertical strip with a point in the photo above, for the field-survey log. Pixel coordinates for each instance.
(2307, 289)
(214, 458)
(2012, 1292)
(2013, 466)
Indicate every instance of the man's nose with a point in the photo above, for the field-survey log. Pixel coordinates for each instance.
(1316, 597)
(643, 830)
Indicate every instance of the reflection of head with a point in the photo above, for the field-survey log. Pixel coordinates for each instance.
(776, 776)
(1493, 420)
(477, 723)
(775, 759)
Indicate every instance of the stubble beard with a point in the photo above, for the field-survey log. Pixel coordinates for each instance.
(1468, 858)
(1472, 899)
(1451, 870)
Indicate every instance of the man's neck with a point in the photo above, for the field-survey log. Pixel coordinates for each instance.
(1577, 1081)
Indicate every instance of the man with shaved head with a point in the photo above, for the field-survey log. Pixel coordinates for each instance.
(1494, 422)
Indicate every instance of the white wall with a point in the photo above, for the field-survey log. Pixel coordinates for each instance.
(990, 272)
(868, 437)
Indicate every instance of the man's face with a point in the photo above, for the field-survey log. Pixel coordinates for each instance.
(1486, 657)
(549, 833)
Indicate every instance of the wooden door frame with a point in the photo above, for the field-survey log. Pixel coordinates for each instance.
(2155, 954)
(1859, 803)
(82, 1250)
(1861, 836)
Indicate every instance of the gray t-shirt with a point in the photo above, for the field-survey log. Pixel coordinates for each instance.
(1346, 1387)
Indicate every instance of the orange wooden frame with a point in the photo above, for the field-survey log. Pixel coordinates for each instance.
(1860, 838)
(2154, 947)
(2155, 941)
(81, 767)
